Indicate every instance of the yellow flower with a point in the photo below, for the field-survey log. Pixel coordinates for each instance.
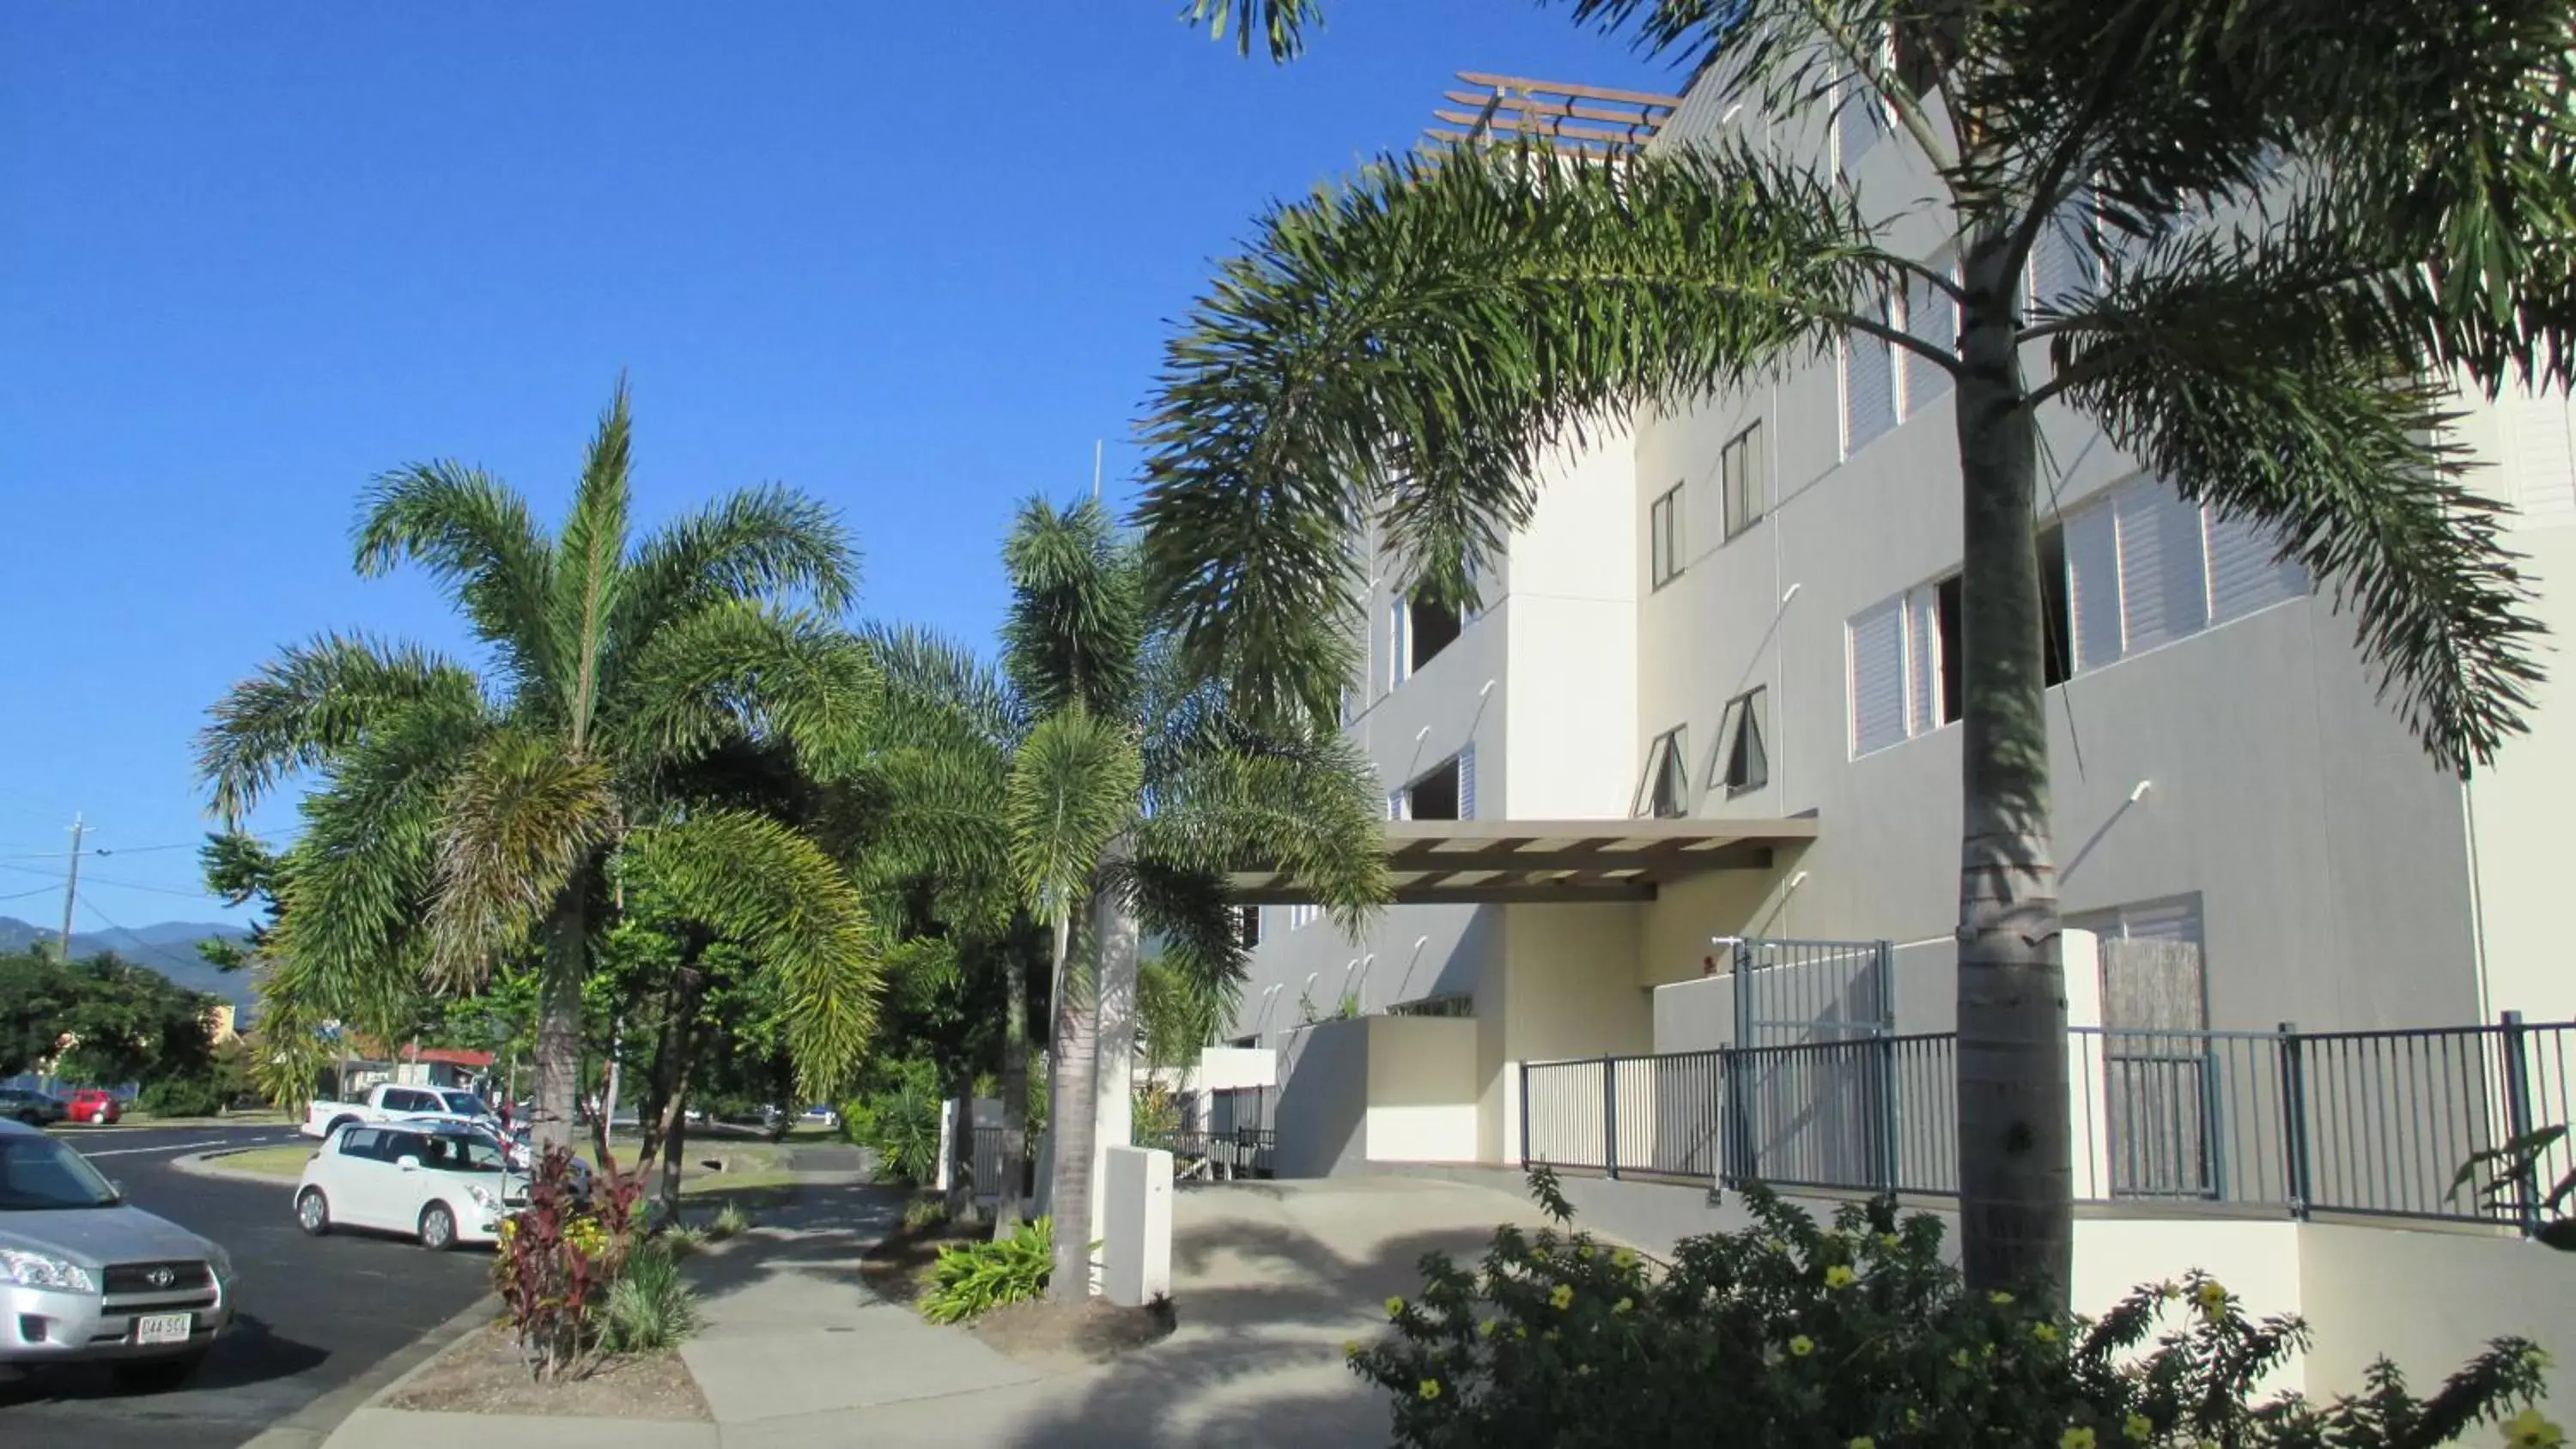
(2078, 1437)
(1562, 1296)
(1861, 1441)
(2532, 1429)
(1888, 1240)
(1801, 1346)
(1623, 1259)
(2139, 1429)
(1990, 1352)
(2000, 1298)
(1395, 1308)
(2044, 1332)
(1775, 1245)
(1960, 1359)
(2169, 1290)
(2212, 1296)
(1913, 1418)
(1839, 1276)
(1351, 1348)
(1486, 1328)
(1430, 1390)
(1520, 1330)
(1623, 1305)
(1584, 1252)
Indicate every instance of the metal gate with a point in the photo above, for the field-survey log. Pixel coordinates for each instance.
(1794, 993)
(1833, 1003)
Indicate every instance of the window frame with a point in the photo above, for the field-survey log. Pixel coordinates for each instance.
(1664, 537)
(1743, 485)
(1747, 712)
(1671, 748)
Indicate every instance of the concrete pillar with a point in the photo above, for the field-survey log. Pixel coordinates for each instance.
(1136, 1243)
(1114, 925)
(2088, 1116)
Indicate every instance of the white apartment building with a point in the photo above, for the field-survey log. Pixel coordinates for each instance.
(1739, 618)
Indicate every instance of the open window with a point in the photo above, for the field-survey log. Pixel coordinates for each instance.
(1428, 629)
(1740, 479)
(1664, 534)
(1664, 791)
(2056, 611)
(1247, 926)
(1743, 759)
(1448, 792)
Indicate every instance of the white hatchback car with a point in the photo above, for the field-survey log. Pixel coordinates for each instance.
(444, 1185)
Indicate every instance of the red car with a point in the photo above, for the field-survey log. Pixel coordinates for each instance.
(95, 1105)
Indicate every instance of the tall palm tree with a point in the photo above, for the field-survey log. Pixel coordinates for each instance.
(2394, 179)
(460, 816)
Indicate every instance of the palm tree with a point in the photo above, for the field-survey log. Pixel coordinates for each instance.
(2394, 178)
(460, 816)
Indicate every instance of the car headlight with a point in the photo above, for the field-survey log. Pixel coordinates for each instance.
(221, 1259)
(482, 1194)
(44, 1270)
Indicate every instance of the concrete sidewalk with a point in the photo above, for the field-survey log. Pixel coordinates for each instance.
(1270, 1279)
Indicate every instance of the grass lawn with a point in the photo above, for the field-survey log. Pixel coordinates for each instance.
(748, 1166)
(285, 1163)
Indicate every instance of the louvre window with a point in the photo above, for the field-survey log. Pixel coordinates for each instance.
(1664, 535)
(1860, 118)
(1931, 316)
(1741, 476)
(2146, 567)
(1869, 387)
(1440, 795)
(1904, 680)
(2066, 256)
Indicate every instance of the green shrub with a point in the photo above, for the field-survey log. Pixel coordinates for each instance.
(1156, 1114)
(731, 1221)
(903, 1129)
(650, 1307)
(858, 1121)
(1860, 1337)
(682, 1241)
(972, 1279)
(181, 1097)
(924, 1212)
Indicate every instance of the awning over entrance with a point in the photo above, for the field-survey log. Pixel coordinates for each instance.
(1484, 861)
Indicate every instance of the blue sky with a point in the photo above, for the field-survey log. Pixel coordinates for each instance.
(914, 259)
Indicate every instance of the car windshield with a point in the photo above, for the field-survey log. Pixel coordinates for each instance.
(39, 1174)
(461, 1152)
(466, 1104)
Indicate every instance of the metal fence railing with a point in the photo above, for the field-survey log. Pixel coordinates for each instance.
(2374, 1123)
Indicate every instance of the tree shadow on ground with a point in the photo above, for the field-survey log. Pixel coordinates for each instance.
(250, 1352)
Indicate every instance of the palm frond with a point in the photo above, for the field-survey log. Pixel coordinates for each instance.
(514, 827)
(937, 691)
(1406, 348)
(768, 543)
(1077, 611)
(1310, 806)
(590, 567)
(759, 883)
(314, 701)
(474, 535)
(1073, 788)
(742, 670)
(1189, 912)
(1280, 24)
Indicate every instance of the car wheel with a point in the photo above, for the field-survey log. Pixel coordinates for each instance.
(32, 1117)
(337, 1123)
(313, 1212)
(159, 1375)
(438, 1227)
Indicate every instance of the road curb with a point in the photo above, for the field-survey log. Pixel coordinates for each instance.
(313, 1425)
(202, 1164)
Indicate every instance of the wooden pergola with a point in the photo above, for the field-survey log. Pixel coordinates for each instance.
(1522, 861)
(1590, 120)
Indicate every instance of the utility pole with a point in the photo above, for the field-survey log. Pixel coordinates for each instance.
(1095, 470)
(71, 889)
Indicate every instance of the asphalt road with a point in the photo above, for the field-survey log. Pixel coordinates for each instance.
(311, 1314)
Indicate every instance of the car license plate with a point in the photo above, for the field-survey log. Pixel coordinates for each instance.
(163, 1327)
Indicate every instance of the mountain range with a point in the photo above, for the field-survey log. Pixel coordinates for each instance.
(169, 947)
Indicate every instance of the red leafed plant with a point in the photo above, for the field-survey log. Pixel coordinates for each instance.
(559, 1255)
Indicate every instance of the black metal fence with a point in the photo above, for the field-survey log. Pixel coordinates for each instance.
(2376, 1123)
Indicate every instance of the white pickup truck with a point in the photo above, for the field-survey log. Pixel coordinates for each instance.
(390, 1102)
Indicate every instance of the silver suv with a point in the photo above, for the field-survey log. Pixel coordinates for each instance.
(85, 1277)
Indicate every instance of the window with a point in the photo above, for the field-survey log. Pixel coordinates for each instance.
(1300, 917)
(2066, 256)
(1664, 792)
(1859, 119)
(1869, 386)
(1247, 926)
(1399, 651)
(1434, 796)
(1741, 477)
(1664, 536)
(360, 1141)
(2057, 656)
(2145, 567)
(1933, 317)
(1904, 680)
(1428, 629)
(1743, 762)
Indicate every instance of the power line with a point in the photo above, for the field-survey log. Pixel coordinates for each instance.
(132, 885)
(41, 890)
(141, 945)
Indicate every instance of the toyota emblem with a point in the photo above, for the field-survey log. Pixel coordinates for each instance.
(161, 1277)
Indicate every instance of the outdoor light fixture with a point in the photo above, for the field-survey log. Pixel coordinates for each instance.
(1792, 593)
(2140, 793)
(1488, 689)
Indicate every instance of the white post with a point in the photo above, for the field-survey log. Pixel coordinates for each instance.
(2088, 1115)
(1114, 1049)
(1136, 1244)
(940, 1177)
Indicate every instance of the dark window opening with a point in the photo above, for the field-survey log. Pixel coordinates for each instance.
(1953, 658)
(1664, 532)
(1434, 796)
(2056, 609)
(1247, 926)
(1429, 628)
(1665, 791)
(1746, 761)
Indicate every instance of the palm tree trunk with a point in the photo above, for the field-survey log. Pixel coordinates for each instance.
(689, 990)
(1007, 1205)
(1071, 1117)
(559, 1016)
(961, 1148)
(2015, 1176)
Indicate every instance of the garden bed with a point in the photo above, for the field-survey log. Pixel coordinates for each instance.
(1090, 1332)
(898, 1265)
(485, 1374)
